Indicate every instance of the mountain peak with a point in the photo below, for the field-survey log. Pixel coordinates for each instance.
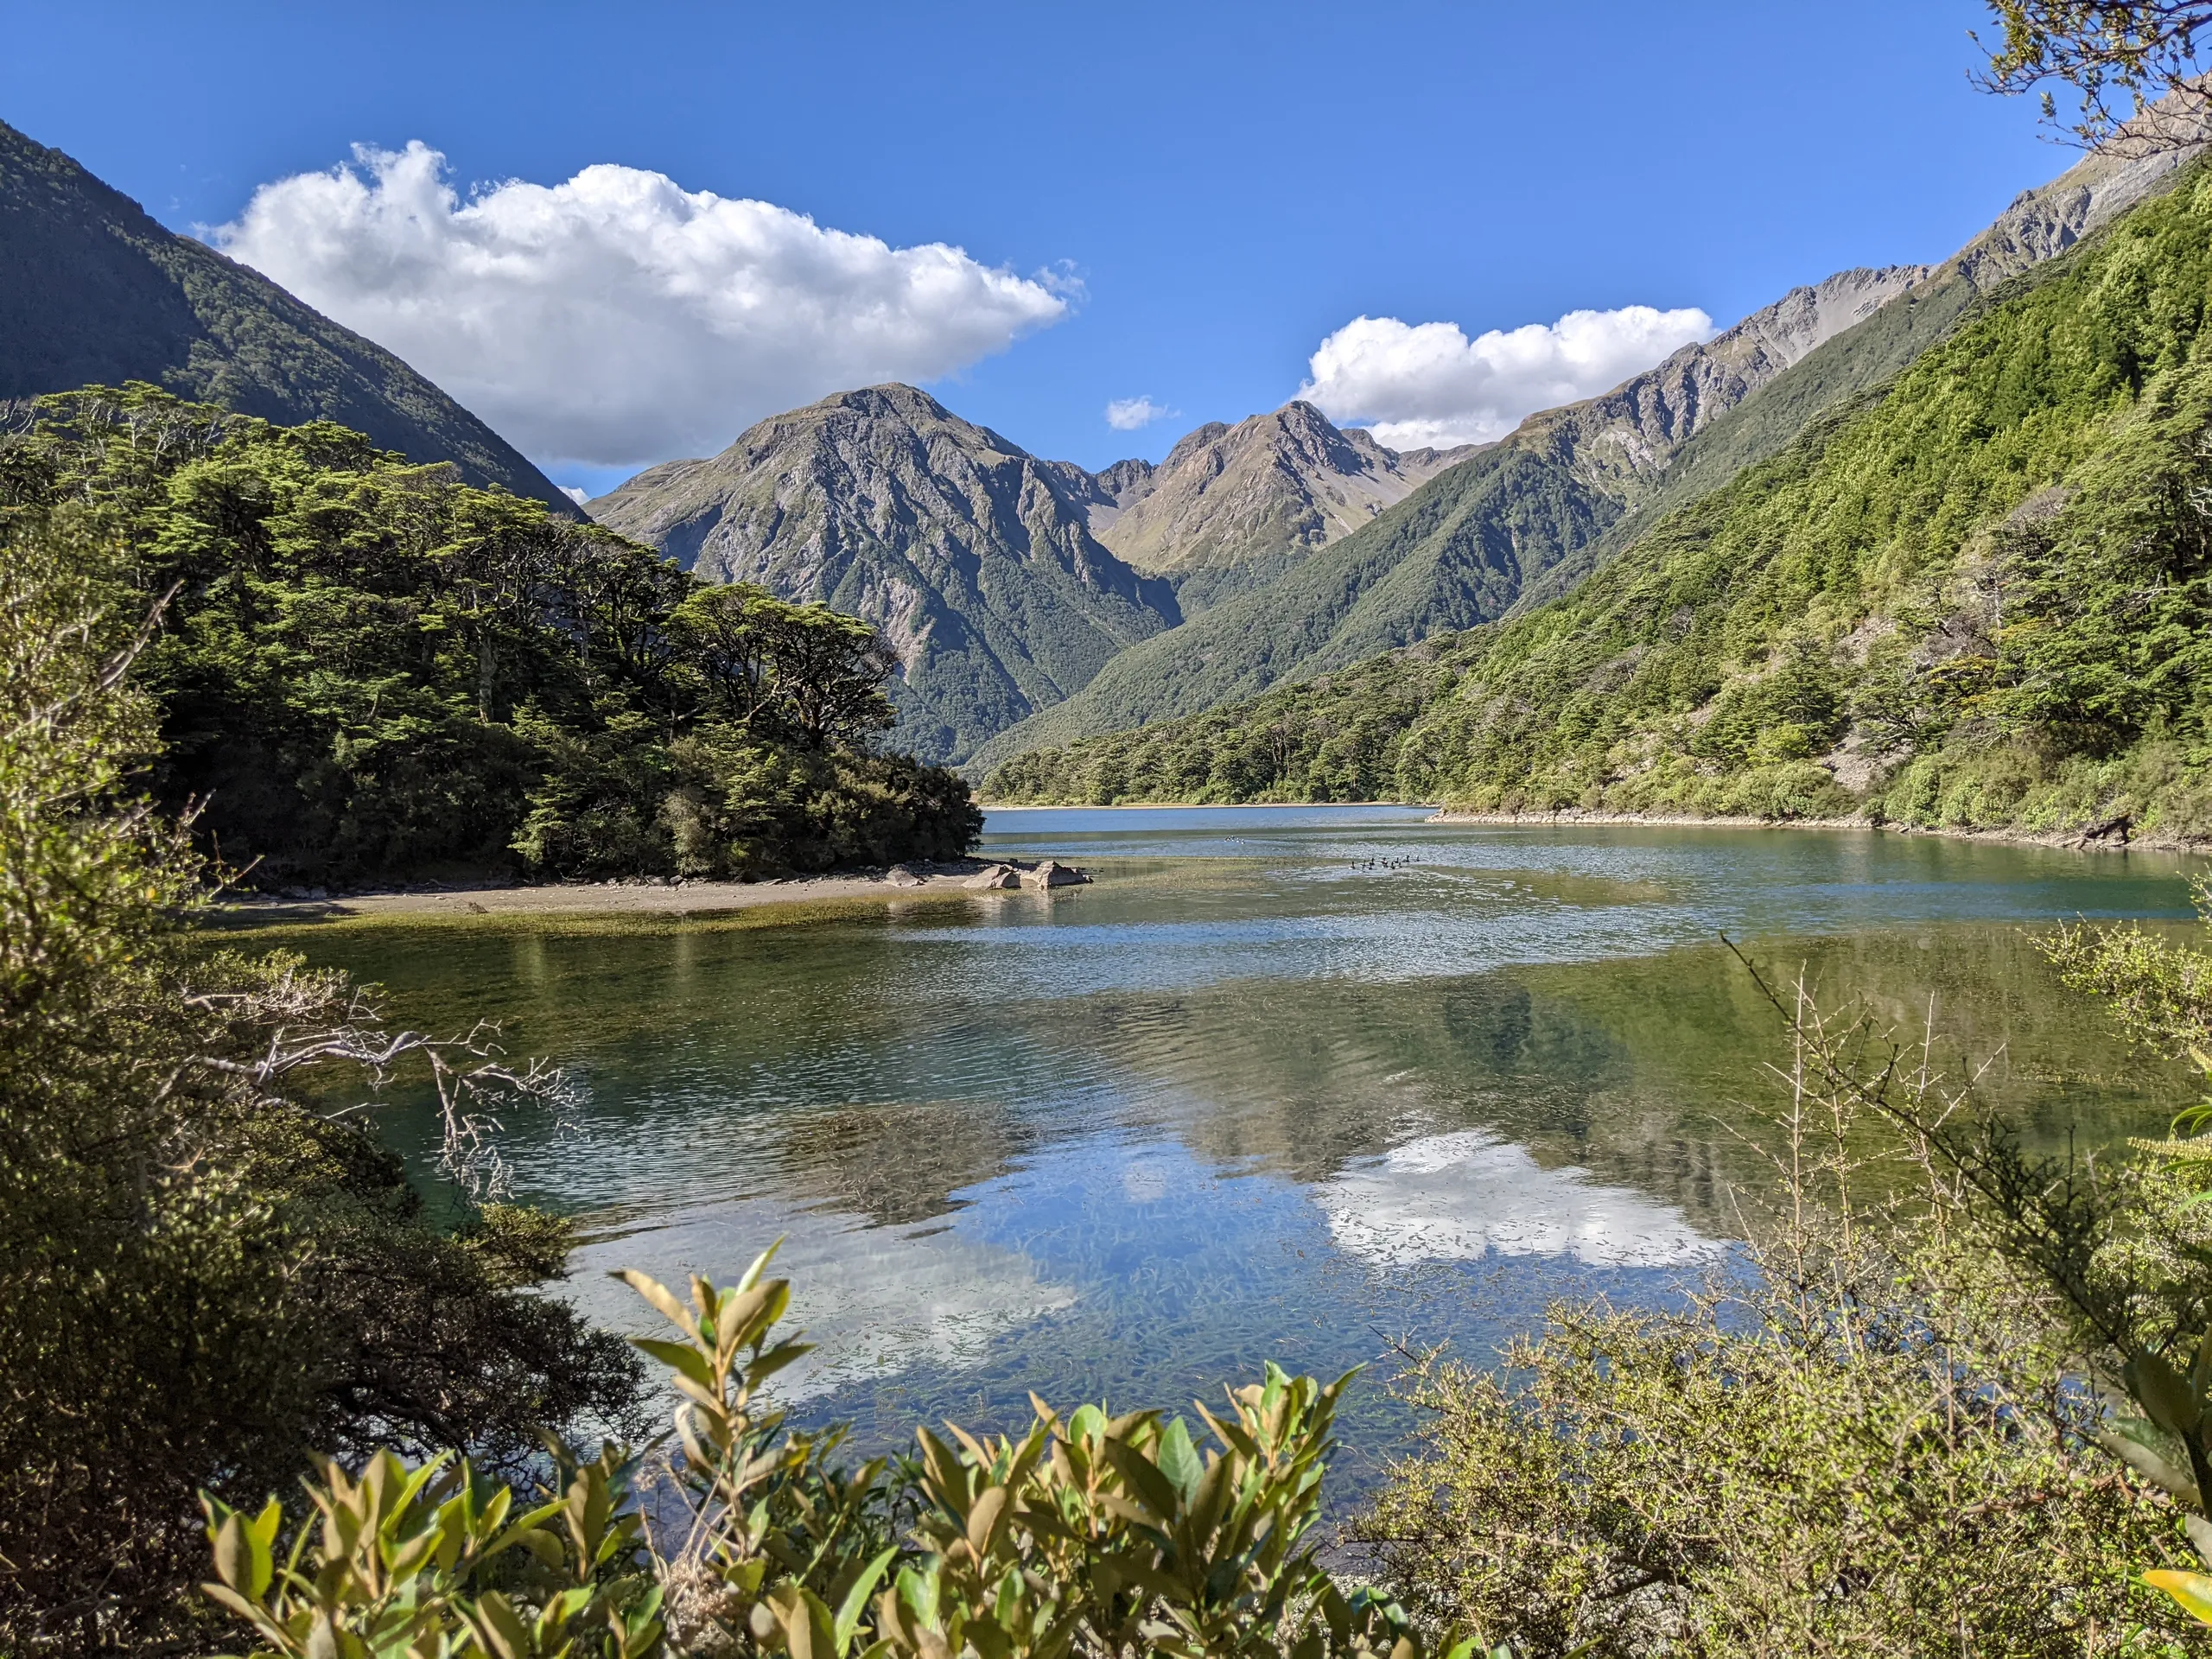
(974, 557)
(893, 399)
(1194, 441)
(1234, 506)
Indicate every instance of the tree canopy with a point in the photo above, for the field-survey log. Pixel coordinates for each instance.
(2133, 67)
(366, 670)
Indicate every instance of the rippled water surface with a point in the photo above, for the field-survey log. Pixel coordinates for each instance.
(1284, 1083)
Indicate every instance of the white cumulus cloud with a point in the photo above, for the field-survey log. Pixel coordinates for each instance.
(1128, 413)
(618, 319)
(1421, 385)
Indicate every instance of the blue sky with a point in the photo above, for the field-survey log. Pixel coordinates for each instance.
(1198, 195)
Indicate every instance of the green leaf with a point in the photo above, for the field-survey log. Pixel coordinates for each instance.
(545, 1546)
(855, 1603)
(1178, 1459)
(808, 1630)
(918, 1591)
(662, 1297)
(759, 1265)
(982, 1520)
(2160, 1390)
(240, 1561)
(499, 1627)
(1153, 1491)
(774, 1359)
(679, 1357)
(2132, 1449)
(413, 1487)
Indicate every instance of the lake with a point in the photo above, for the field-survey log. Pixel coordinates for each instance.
(1310, 1084)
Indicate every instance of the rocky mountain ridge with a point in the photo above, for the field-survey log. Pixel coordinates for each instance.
(1005, 581)
(1820, 636)
(1625, 438)
(974, 557)
(1232, 507)
(1521, 521)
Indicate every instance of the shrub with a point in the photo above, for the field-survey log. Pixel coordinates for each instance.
(366, 670)
(1087, 1534)
(209, 1267)
(1868, 1437)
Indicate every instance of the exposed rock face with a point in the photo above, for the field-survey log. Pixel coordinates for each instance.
(1123, 479)
(1052, 873)
(1233, 507)
(1627, 436)
(1632, 431)
(2043, 223)
(1007, 581)
(974, 557)
(96, 292)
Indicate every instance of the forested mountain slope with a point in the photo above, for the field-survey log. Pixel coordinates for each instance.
(1531, 516)
(93, 291)
(973, 557)
(1980, 594)
(1232, 507)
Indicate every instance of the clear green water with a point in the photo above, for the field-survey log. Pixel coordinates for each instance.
(1252, 1094)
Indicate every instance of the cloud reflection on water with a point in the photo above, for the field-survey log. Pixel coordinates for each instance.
(1463, 1196)
(875, 1300)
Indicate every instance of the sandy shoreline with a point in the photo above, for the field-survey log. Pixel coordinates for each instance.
(801, 898)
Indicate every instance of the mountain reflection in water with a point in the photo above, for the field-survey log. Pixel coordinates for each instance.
(1257, 1093)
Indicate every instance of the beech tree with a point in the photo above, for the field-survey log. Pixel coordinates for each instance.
(2136, 66)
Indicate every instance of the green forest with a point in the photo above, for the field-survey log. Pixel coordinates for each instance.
(368, 672)
(1974, 597)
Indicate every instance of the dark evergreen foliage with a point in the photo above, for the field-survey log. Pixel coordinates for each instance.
(368, 671)
(210, 1268)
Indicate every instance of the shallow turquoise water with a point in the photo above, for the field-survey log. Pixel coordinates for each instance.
(1298, 1083)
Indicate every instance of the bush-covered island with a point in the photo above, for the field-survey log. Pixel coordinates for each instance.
(368, 672)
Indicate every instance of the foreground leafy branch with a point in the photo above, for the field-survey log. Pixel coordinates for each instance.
(1087, 1534)
(2121, 1250)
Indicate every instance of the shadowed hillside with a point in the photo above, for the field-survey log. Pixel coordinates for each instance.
(98, 294)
